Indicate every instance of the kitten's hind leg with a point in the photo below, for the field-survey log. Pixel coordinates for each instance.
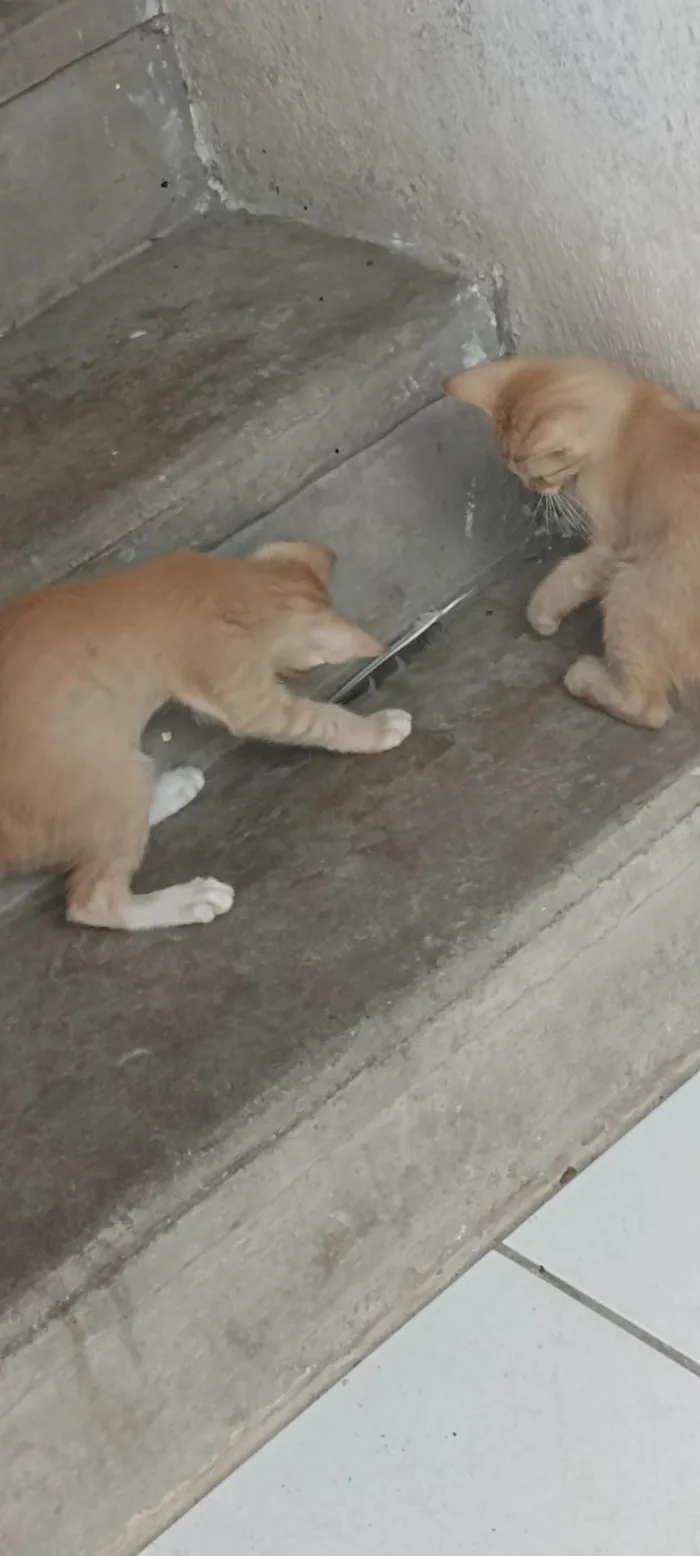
(571, 583)
(633, 681)
(112, 847)
(110, 904)
(627, 698)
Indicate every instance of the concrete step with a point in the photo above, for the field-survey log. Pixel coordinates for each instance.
(97, 150)
(195, 386)
(234, 1158)
(413, 521)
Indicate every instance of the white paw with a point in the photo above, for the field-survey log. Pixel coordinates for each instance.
(173, 791)
(392, 726)
(198, 901)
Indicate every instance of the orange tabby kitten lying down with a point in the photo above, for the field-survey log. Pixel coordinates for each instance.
(628, 453)
(84, 665)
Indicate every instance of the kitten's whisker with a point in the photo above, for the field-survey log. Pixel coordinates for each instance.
(571, 519)
(535, 525)
(543, 512)
(566, 502)
(579, 516)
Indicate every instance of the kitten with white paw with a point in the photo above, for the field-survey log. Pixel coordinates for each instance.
(85, 664)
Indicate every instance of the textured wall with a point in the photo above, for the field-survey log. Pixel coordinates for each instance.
(560, 140)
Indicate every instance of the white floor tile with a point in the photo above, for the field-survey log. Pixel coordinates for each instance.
(627, 1232)
(505, 1420)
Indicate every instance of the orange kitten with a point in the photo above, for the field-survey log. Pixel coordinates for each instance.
(84, 665)
(628, 453)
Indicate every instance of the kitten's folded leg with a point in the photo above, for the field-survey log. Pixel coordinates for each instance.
(99, 889)
(643, 623)
(571, 583)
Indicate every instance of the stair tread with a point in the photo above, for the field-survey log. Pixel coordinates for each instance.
(356, 879)
(197, 384)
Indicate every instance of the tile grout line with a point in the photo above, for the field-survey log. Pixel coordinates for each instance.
(599, 1308)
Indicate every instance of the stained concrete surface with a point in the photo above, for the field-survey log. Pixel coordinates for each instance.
(123, 1056)
(450, 974)
(200, 383)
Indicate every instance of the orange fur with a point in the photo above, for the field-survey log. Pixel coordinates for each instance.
(628, 453)
(85, 664)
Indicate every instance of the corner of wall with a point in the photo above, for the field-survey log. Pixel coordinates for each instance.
(202, 129)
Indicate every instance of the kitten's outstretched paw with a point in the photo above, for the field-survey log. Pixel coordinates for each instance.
(392, 726)
(540, 619)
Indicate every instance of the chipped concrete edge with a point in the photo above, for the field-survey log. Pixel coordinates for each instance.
(357, 1196)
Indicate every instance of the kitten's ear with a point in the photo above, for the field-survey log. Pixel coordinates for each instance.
(321, 559)
(482, 386)
(337, 640)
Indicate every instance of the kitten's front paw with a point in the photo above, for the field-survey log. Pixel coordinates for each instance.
(540, 618)
(582, 679)
(392, 726)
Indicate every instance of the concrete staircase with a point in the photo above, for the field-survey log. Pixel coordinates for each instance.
(232, 1159)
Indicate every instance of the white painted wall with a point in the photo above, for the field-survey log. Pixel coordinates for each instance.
(558, 138)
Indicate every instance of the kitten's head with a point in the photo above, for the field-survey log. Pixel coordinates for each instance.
(307, 631)
(551, 415)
